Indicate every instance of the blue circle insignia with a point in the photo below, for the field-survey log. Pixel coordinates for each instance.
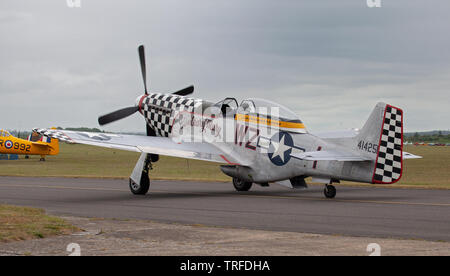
(8, 144)
(280, 148)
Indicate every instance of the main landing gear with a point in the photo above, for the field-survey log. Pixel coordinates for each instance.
(142, 187)
(241, 185)
(329, 191)
(139, 179)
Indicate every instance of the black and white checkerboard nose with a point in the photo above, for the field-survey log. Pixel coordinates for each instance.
(388, 167)
(158, 110)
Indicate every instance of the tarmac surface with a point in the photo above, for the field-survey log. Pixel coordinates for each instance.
(112, 237)
(356, 211)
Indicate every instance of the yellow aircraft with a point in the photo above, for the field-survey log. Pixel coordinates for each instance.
(13, 145)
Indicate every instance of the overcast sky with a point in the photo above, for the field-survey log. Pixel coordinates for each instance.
(329, 61)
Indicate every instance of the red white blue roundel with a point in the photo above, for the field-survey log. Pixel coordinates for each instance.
(8, 144)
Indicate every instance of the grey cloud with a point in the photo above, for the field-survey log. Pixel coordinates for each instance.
(330, 61)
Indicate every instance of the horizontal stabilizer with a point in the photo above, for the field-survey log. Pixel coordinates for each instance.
(329, 156)
(40, 144)
(407, 155)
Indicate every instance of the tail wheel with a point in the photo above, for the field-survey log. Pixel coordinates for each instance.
(241, 185)
(329, 191)
(142, 187)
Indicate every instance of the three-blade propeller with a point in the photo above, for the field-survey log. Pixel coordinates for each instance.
(127, 111)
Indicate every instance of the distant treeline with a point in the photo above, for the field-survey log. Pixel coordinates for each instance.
(87, 129)
(427, 137)
(24, 134)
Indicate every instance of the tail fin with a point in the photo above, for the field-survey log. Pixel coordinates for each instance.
(384, 130)
(54, 146)
(52, 142)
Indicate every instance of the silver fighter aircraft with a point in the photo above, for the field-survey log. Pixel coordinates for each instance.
(257, 141)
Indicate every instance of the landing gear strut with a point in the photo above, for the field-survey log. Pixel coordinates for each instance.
(139, 179)
(240, 185)
(329, 191)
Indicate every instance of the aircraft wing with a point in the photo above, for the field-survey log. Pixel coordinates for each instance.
(145, 144)
(330, 156)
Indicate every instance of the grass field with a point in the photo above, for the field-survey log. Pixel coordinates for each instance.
(22, 223)
(86, 161)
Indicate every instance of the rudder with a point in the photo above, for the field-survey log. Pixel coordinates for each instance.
(382, 138)
(52, 143)
(389, 163)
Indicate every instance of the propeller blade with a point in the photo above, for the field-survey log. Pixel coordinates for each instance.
(141, 51)
(150, 131)
(186, 91)
(117, 115)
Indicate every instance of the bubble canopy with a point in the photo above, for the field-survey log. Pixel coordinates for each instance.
(267, 108)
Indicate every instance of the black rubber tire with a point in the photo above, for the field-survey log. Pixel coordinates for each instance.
(142, 188)
(329, 191)
(240, 185)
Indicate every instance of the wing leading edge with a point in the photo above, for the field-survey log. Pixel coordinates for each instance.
(143, 144)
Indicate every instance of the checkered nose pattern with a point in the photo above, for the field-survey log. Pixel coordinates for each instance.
(388, 168)
(158, 110)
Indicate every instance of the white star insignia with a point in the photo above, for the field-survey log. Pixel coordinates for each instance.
(280, 149)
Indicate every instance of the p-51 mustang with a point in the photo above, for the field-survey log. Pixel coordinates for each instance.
(258, 141)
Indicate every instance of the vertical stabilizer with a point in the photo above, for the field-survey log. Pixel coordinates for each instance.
(384, 129)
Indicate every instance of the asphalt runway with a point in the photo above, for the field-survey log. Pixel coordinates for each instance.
(356, 211)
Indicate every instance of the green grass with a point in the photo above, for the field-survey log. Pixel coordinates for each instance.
(86, 161)
(22, 223)
(431, 171)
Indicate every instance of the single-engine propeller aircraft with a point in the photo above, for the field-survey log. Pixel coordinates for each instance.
(13, 145)
(257, 141)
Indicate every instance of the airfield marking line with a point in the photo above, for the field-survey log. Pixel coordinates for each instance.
(260, 196)
(318, 199)
(62, 187)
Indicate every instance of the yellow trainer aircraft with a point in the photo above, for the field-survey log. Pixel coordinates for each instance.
(13, 145)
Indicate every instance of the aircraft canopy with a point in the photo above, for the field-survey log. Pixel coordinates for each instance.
(267, 108)
(265, 112)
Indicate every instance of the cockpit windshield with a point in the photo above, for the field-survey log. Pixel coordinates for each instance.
(267, 108)
(227, 107)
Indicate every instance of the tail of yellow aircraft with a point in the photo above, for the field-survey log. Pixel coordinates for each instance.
(52, 143)
(54, 146)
